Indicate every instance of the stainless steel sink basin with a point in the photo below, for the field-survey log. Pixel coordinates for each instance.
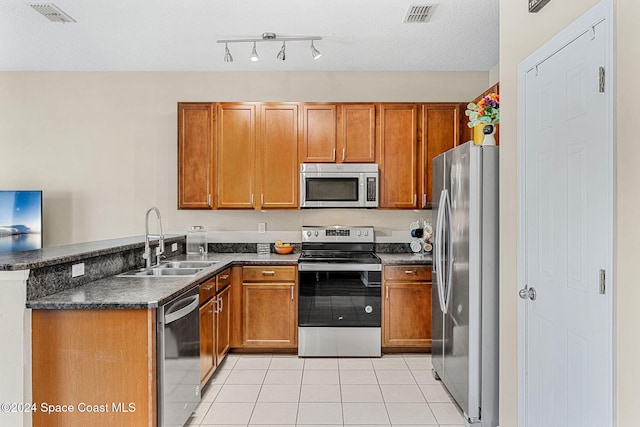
(167, 271)
(186, 264)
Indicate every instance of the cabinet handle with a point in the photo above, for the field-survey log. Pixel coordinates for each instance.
(344, 153)
(208, 287)
(268, 273)
(424, 200)
(252, 200)
(415, 199)
(224, 277)
(291, 292)
(387, 292)
(217, 310)
(221, 304)
(261, 200)
(209, 200)
(410, 271)
(333, 156)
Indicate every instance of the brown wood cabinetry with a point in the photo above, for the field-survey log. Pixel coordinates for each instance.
(98, 357)
(277, 170)
(257, 156)
(196, 156)
(215, 322)
(340, 133)
(406, 306)
(439, 130)
(207, 355)
(398, 155)
(269, 297)
(236, 155)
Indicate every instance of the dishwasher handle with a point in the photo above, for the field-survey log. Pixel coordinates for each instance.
(172, 316)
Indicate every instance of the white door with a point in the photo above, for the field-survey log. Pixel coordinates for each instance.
(566, 230)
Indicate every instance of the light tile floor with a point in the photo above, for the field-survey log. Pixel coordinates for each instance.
(279, 390)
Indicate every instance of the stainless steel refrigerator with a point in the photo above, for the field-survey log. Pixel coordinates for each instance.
(465, 279)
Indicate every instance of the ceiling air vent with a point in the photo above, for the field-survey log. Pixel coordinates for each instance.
(52, 12)
(419, 13)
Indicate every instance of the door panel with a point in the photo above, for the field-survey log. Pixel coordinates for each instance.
(357, 133)
(566, 230)
(319, 139)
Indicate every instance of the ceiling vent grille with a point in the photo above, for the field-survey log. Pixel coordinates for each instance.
(419, 13)
(52, 12)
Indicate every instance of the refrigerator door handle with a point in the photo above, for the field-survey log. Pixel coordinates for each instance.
(439, 250)
(448, 251)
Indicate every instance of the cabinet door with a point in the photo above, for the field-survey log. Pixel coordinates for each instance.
(236, 155)
(440, 126)
(407, 314)
(223, 323)
(318, 144)
(196, 156)
(278, 156)
(357, 136)
(269, 315)
(398, 156)
(207, 357)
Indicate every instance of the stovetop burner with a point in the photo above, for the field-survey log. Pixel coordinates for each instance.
(339, 256)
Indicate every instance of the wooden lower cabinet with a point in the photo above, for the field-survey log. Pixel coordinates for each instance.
(94, 360)
(207, 356)
(269, 300)
(406, 306)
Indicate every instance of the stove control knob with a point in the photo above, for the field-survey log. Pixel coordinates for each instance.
(308, 234)
(358, 233)
(366, 233)
(368, 309)
(316, 233)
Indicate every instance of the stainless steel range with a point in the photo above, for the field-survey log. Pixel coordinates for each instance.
(339, 279)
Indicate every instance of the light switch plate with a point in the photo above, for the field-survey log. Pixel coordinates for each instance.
(174, 247)
(77, 270)
(262, 227)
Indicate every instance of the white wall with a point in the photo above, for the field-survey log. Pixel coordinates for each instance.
(103, 145)
(521, 34)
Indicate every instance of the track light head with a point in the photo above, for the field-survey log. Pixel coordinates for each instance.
(282, 55)
(227, 54)
(315, 53)
(254, 54)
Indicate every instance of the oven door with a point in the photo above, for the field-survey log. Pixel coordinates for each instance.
(339, 298)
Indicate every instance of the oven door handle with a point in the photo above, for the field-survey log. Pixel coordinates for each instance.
(172, 316)
(336, 266)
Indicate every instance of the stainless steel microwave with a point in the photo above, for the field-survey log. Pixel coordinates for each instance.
(345, 185)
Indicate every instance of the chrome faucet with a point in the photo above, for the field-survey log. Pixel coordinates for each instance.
(147, 236)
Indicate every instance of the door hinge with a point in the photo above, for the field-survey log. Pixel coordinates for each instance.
(601, 80)
(602, 282)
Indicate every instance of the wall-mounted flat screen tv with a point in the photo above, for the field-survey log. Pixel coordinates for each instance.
(20, 221)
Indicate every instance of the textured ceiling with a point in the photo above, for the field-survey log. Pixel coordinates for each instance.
(180, 35)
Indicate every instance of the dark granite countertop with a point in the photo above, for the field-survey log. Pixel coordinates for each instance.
(405, 258)
(68, 253)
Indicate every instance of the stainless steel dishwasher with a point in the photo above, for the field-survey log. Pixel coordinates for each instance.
(178, 346)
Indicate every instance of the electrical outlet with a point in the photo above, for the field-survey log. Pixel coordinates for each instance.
(174, 247)
(77, 270)
(262, 227)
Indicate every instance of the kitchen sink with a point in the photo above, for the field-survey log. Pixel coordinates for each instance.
(168, 271)
(186, 264)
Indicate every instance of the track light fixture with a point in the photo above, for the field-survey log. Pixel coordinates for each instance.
(270, 37)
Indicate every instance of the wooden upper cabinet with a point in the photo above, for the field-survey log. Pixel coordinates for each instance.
(278, 156)
(236, 155)
(439, 132)
(318, 143)
(398, 155)
(357, 133)
(196, 156)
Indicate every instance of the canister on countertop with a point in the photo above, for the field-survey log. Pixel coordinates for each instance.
(197, 240)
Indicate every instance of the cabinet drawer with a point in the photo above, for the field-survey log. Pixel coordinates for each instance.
(408, 272)
(269, 273)
(223, 279)
(207, 291)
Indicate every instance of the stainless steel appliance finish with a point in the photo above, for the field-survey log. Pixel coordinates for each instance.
(465, 291)
(346, 185)
(339, 280)
(178, 359)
